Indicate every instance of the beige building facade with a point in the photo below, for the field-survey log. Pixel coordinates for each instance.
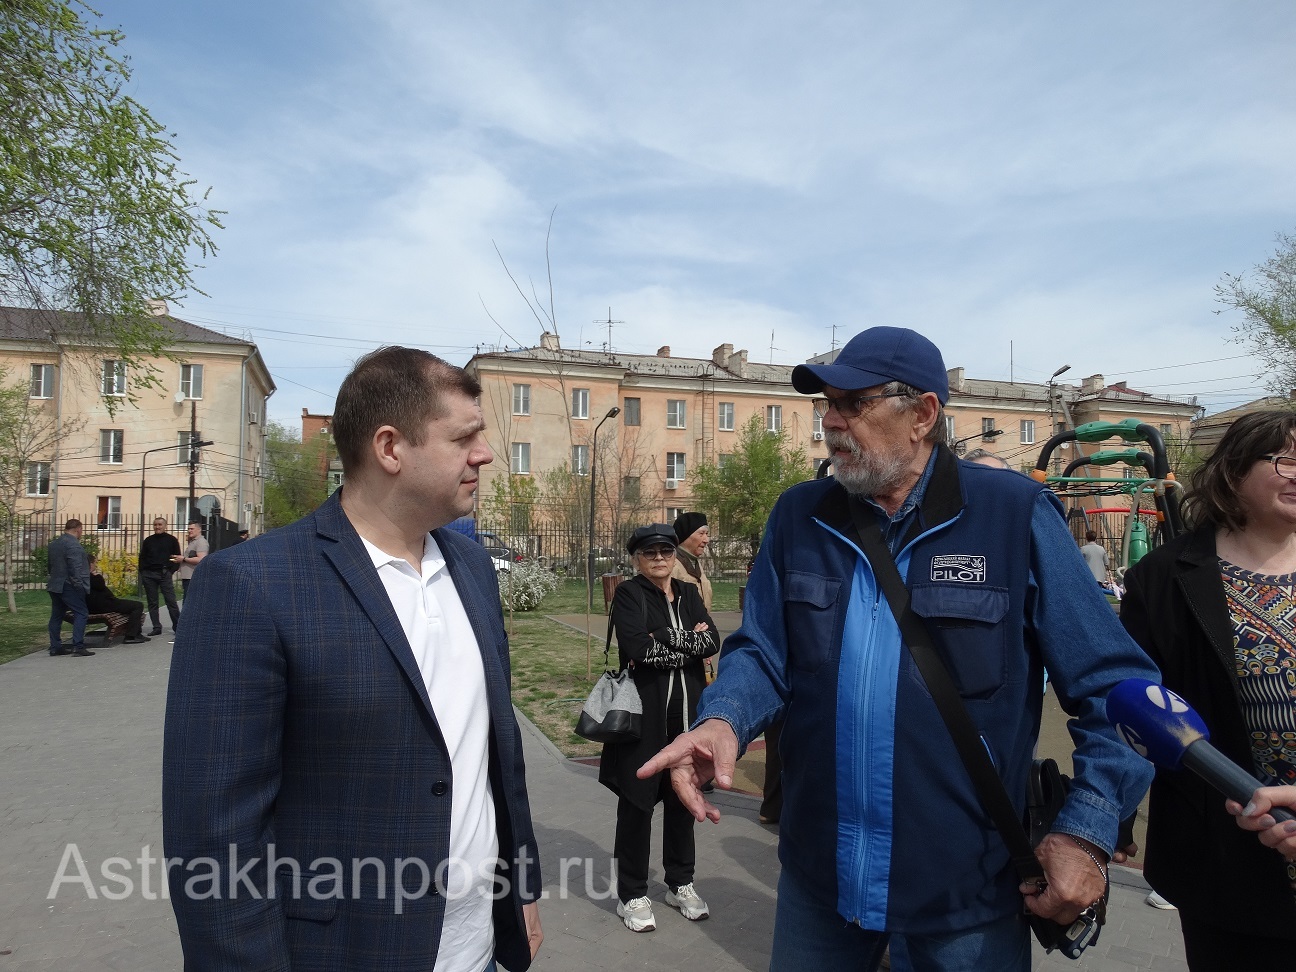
(543, 404)
(123, 443)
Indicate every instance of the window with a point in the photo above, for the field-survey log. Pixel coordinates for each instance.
(1165, 430)
(182, 446)
(673, 513)
(725, 416)
(191, 377)
(630, 488)
(1027, 431)
(38, 479)
(987, 426)
(722, 459)
(773, 418)
(675, 413)
(110, 445)
(521, 399)
(580, 460)
(182, 511)
(949, 427)
(112, 379)
(674, 465)
(109, 512)
(816, 424)
(42, 381)
(520, 458)
(580, 403)
(631, 411)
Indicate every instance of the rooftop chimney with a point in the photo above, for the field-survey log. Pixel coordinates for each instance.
(720, 356)
(663, 351)
(955, 377)
(549, 341)
(1091, 385)
(157, 307)
(738, 363)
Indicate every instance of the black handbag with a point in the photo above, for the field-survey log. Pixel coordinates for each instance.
(1070, 940)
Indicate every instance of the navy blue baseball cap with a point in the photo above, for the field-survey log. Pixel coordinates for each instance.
(875, 357)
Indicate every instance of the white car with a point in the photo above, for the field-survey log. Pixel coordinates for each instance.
(501, 555)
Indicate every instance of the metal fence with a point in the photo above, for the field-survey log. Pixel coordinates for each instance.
(114, 540)
(566, 550)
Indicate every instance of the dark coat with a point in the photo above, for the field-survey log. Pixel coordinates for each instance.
(297, 716)
(1196, 856)
(638, 609)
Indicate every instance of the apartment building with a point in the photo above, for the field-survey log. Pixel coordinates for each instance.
(124, 445)
(543, 405)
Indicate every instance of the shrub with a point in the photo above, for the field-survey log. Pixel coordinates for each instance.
(526, 585)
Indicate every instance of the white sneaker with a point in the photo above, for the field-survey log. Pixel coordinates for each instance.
(689, 902)
(1156, 901)
(637, 914)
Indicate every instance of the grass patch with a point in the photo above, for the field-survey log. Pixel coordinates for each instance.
(26, 631)
(549, 666)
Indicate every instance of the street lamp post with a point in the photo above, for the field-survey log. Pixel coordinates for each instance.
(992, 434)
(613, 412)
(1052, 422)
(144, 470)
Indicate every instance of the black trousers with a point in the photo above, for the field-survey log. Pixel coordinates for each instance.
(155, 581)
(634, 833)
(134, 610)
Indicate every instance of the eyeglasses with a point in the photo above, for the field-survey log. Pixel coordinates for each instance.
(657, 553)
(849, 406)
(1284, 466)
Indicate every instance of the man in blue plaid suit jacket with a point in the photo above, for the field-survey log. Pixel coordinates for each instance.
(313, 762)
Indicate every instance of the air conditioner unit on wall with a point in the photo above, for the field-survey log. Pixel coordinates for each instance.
(817, 436)
(672, 484)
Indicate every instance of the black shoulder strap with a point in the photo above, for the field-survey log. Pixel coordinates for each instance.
(607, 644)
(967, 739)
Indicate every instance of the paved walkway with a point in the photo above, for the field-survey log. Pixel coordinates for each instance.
(80, 764)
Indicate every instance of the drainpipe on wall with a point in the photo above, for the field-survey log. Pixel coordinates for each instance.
(58, 429)
(243, 424)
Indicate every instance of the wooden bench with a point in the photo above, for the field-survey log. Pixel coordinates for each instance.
(114, 624)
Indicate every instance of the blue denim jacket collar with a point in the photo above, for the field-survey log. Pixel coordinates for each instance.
(896, 526)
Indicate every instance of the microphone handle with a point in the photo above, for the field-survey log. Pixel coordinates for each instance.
(1226, 776)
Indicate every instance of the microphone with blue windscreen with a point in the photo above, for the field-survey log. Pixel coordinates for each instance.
(1161, 727)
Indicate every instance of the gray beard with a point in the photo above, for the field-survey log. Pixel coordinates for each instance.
(865, 473)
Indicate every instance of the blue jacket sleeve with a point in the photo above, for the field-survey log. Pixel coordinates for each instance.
(1086, 652)
(751, 688)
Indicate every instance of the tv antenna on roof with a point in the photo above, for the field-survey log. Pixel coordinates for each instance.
(609, 322)
(772, 348)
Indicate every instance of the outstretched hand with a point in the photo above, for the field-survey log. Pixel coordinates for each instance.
(693, 758)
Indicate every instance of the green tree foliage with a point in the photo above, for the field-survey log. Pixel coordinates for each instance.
(296, 475)
(510, 508)
(29, 432)
(95, 217)
(1266, 296)
(739, 495)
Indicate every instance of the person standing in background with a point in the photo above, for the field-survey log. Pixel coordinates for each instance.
(1095, 555)
(196, 549)
(69, 582)
(694, 535)
(156, 565)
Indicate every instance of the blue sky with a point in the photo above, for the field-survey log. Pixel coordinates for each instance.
(1068, 181)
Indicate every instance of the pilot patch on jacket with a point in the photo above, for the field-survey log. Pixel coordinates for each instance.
(968, 568)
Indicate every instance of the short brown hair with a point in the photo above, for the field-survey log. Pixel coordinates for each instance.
(71, 525)
(1213, 490)
(401, 387)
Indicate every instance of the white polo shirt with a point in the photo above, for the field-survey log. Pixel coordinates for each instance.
(445, 648)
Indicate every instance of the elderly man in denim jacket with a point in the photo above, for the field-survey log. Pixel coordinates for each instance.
(882, 831)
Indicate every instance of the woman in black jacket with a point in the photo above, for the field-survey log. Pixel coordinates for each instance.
(663, 633)
(1216, 610)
